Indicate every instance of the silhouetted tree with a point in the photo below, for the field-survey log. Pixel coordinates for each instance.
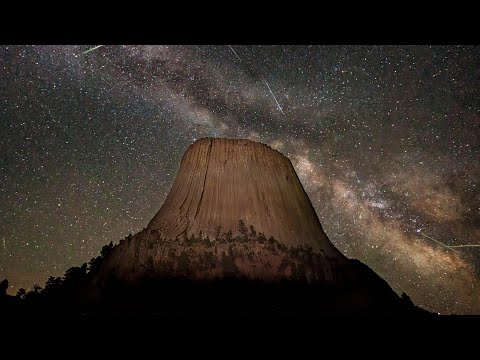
(228, 235)
(261, 238)
(206, 241)
(53, 284)
(95, 263)
(253, 231)
(271, 242)
(3, 288)
(282, 247)
(34, 293)
(75, 275)
(108, 248)
(21, 293)
(242, 228)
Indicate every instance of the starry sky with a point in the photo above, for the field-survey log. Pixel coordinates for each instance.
(385, 140)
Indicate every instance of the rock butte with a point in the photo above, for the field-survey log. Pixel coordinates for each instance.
(182, 264)
(220, 183)
(223, 181)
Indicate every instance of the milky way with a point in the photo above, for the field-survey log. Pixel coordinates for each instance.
(384, 139)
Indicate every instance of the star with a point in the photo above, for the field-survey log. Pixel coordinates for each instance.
(383, 138)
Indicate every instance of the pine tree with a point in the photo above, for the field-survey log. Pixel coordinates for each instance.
(243, 229)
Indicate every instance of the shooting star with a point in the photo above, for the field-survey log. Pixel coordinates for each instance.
(429, 237)
(466, 245)
(231, 48)
(266, 83)
(90, 50)
(445, 245)
(271, 92)
(379, 186)
(4, 245)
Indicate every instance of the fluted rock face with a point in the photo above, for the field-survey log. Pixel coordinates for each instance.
(223, 181)
(236, 208)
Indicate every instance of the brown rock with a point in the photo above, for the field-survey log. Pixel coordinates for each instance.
(236, 208)
(223, 181)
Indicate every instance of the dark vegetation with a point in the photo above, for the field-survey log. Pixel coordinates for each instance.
(77, 292)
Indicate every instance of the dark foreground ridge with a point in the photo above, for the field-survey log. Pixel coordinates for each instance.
(353, 290)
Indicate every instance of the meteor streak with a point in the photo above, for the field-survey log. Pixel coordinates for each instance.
(448, 246)
(231, 48)
(271, 92)
(90, 50)
(265, 81)
(466, 245)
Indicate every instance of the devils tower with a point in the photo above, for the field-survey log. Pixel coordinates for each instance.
(237, 209)
(238, 212)
(222, 181)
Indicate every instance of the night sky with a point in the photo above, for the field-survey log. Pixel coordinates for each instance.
(385, 140)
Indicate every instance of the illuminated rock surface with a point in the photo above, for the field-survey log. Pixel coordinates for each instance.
(222, 181)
